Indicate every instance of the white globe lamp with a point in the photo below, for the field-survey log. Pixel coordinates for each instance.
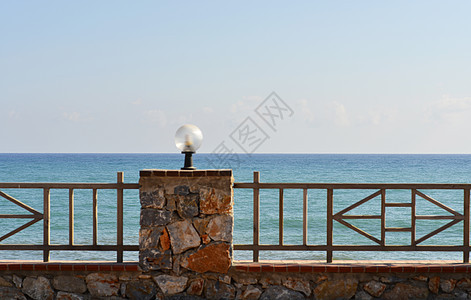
(188, 139)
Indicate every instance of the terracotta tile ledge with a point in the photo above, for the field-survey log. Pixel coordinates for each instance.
(263, 266)
(68, 266)
(442, 266)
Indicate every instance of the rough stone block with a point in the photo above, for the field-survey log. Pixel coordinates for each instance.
(102, 285)
(152, 199)
(434, 284)
(171, 285)
(297, 284)
(155, 217)
(70, 296)
(183, 236)
(38, 288)
(448, 285)
(219, 290)
(251, 293)
(201, 224)
(281, 293)
(155, 260)
(213, 201)
(220, 228)
(211, 258)
(195, 287)
(4, 283)
(164, 240)
(17, 280)
(71, 284)
(187, 205)
(374, 288)
(362, 295)
(464, 284)
(336, 289)
(149, 237)
(406, 291)
(11, 293)
(141, 290)
(270, 279)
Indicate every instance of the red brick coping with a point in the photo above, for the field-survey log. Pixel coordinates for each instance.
(296, 267)
(68, 266)
(356, 267)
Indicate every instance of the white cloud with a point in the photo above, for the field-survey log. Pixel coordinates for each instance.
(12, 114)
(156, 116)
(378, 116)
(252, 98)
(450, 110)
(247, 105)
(137, 102)
(72, 116)
(208, 109)
(340, 115)
(306, 111)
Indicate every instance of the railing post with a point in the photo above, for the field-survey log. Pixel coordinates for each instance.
(304, 217)
(413, 218)
(466, 227)
(46, 224)
(330, 209)
(383, 217)
(256, 216)
(120, 218)
(95, 217)
(71, 217)
(280, 219)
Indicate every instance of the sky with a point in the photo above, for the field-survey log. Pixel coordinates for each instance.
(123, 76)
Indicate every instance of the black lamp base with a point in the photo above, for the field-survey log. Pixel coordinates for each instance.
(188, 161)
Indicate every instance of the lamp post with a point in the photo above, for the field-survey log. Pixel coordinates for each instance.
(188, 139)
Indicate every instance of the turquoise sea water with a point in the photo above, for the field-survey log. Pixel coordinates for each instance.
(370, 168)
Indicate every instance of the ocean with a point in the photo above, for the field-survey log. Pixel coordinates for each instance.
(325, 168)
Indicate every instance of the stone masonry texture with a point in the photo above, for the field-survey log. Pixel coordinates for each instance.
(186, 221)
(235, 284)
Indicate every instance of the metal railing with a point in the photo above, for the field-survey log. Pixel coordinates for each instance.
(379, 244)
(341, 216)
(37, 216)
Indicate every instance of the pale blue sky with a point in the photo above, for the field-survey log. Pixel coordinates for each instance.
(122, 76)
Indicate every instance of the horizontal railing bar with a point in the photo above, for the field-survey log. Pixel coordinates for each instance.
(357, 217)
(350, 248)
(392, 186)
(49, 185)
(70, 247)
(398, 229)
(424, 217)
(21, 216)
(398, 204)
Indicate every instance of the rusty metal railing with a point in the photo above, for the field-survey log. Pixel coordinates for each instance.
(37, 216)
(341, 216)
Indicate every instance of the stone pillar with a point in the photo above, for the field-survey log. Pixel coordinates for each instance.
(186, 220)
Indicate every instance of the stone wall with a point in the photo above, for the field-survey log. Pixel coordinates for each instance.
(186, 221)
(235, 284)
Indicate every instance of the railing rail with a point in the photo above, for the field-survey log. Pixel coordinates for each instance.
(341, 216)
(36, 216)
